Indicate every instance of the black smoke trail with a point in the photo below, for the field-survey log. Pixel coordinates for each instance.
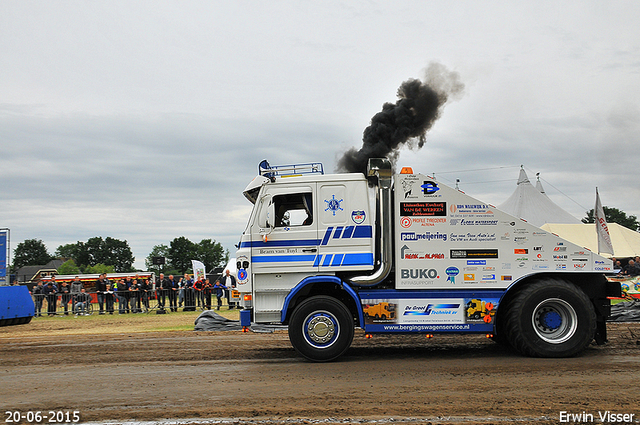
(407, 121)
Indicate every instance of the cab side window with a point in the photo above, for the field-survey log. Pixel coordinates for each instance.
(293, 209)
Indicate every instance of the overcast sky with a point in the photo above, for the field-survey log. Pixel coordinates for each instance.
(144, 121)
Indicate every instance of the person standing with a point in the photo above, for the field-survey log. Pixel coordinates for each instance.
(161, 291)
(197, 285)
(65, 291)
(145, 288)
(109, 299)
(38, 297)
(229, 282)
(101, 289)
(172, 290)
(219, 288)
(207, 289)
(51, 292)
(76, 289)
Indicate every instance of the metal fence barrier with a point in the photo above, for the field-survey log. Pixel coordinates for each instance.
(124, 302)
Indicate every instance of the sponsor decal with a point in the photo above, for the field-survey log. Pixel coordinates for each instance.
(558, 257)
(538, 249)
(470, 209)
(561, 266)
(474, 253)
(473, 237)
(476, 262)
(506, 277)
(520, 251)
(419, 274)
(429, 187)
(452, 272)
(405, 222)
(423, 209)
(333, 204)
(469, 277)
(242, 275)
(407, 254)
(428, 236)
(488, 277)
(520, 240)
(506, 266)
(489, 269)
(467, 222)
(560, 249)
(431, 309)
(540, 267)
(407, 187)
(358, 217)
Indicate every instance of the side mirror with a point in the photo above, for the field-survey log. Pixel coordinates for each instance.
(266, 220)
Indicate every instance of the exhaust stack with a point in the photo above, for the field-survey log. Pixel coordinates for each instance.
(381, 168)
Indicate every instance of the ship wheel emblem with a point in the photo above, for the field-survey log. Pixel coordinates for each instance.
(333, 205)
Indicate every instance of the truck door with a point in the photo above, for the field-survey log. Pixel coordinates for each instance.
(285, 233)
(346, 233)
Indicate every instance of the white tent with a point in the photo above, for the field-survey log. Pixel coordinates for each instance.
(626, 242)
(533, 205)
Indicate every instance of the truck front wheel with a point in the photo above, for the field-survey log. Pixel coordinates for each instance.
(321, 328)
(551, 318)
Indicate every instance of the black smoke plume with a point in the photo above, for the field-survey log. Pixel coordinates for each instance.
(407, 121)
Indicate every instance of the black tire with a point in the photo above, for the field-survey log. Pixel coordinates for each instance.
(321, 328)
(499, 331)
(551, 318)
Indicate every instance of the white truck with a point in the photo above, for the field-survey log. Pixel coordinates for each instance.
(320, 248)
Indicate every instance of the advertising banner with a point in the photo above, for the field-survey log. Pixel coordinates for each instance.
(198, 270)
(3, 258)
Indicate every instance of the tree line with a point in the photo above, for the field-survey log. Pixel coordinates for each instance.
(110, 255)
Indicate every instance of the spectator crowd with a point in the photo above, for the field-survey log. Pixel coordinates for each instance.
(133, 294)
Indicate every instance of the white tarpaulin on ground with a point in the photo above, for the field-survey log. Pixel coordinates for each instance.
(626, 242)
(533, 205)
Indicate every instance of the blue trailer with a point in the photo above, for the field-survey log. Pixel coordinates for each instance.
(16, 305)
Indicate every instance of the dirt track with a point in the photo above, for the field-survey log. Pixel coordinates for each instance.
(259, 378)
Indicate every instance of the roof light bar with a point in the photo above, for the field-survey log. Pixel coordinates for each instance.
(266, 170)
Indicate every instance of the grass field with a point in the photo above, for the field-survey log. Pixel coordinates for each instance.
(180, 321)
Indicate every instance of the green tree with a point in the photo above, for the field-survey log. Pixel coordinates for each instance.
(211, 253)
(109, 251)
(99, 268)
(68, 251)
(69, 267)
(118, 253)
(181, 252)
(614, 215)
(31, 252)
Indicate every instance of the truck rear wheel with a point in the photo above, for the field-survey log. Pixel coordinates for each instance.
(321, 328)
(551, 318)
